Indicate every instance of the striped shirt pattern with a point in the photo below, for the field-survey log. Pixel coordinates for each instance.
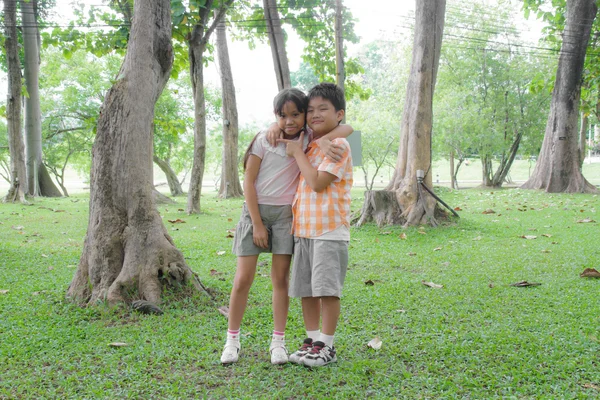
(319, 213)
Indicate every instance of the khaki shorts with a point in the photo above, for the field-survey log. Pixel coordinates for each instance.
(277, 220)
(319, 268)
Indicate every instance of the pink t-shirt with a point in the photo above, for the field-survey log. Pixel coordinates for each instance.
(278, 175)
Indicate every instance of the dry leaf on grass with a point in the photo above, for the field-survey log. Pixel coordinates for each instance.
(546, 235)
(437, 249)
(524, 284)
(477, 238)
(220, 253)
(585, 221)
(411, 254)
(457, 209)
(375, 343)
(369, 282)
(402, 236)
(3, 291)
(590, 273)
(224, 310)
(118, 344)
(528, 237)
(17, 228)
(176, 221)
(432, 285)
(591, 386)
(546, 251)
(489, 211)
(214, 272)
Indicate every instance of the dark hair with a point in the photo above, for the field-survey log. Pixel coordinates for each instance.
(294, 95)
(331, 92)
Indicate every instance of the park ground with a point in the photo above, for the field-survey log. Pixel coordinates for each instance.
(475, 337)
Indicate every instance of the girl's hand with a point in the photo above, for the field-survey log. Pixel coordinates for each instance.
(260, 236)
(273, 134)
(332, 151)
(293, 146)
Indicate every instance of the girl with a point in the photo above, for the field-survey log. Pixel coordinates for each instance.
(270, 182)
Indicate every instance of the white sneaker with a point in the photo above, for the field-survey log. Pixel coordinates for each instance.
(279, 354)
(230, 353)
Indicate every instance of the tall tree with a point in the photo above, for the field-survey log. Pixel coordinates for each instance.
(128, 253)
(230, 179)
(403, 201)
(197, 42)
(38, 178)
(277, 44)
(18, 175)
(558, 168)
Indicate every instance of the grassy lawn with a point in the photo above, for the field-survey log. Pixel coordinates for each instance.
(477, 337)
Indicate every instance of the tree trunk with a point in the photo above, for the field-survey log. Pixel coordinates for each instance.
(172, 180)
(38, 178)
(416, 206)
(18, 174)
(453, 183)
(582, 138)
(230, 179)
(197, 46)
(557, 169)
(277, 43)
(128, 253)
(340, 75)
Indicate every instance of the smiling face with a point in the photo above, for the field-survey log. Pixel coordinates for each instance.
(322, 116)
(290, 120)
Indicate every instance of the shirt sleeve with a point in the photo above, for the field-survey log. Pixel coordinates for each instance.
(337, 168)
(258, 147)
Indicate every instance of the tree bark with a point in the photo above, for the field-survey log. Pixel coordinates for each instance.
(128, 253)
(582, 138)
(230, 179)
(277, 43)
(38, 178)
(557, 169)
(172, 180)
(417, 206)
(18, 172)
(197, 46)
(340, 75)
(453, 183)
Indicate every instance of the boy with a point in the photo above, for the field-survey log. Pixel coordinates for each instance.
(321, 227)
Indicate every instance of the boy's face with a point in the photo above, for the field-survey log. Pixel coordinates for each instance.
(322, 117)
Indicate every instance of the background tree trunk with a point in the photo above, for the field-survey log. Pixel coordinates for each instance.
(18, 174)
(340, 75)
(172, 180)
(557, 168)
(230, 179)
(38, 178)
(197, 47)
(453, 183)
(277, 43)
(582, 138)
(128, 253)
(416, 206)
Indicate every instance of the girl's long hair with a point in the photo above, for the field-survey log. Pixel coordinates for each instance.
(294, 95)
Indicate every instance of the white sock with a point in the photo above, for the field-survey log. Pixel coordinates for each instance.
(279, 336)
(314, 335)
(233, 336)
(327, 339)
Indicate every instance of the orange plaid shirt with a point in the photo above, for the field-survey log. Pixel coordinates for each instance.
(319, 213)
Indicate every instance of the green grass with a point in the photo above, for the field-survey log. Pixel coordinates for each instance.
(477, 337)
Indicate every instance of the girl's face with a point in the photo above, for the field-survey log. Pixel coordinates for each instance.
(290, 120)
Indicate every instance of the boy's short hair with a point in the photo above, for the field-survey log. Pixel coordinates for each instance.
(331, 92)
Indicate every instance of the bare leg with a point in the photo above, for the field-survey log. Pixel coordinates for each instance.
(244, 276)
(280, 278)
(311, 311)
(331, 314)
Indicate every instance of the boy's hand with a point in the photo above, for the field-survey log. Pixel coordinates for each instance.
(332, 151)
(260, 236)
(293, 146)
(273, 134)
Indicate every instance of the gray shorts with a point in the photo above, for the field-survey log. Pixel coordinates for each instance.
(277, 220)
(319, 268)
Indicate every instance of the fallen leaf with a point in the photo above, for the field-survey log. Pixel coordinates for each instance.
(457, 209)
(546, 251)
(118, 344)
(437, 249)
(489, 211)
(369, 282)
(3, 291)
(402, 236)
(477, 238)
(528, 237)
(422, 232)
(401, 311)
(585, 221)
(386, 233)
(44, 255)
(180, 209)
(17, 228)
(223, 215)
(524, 284)
(224, 310)
(546, 235)
(590, 273)
(50, 268)
(432, 285)
(176, 221)
(58, 211)
(491, 285)
(411, 254)
(591, 386)
(229, 219)
(375, 343)
(220, 253)
(229, 235)
(214, 272)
